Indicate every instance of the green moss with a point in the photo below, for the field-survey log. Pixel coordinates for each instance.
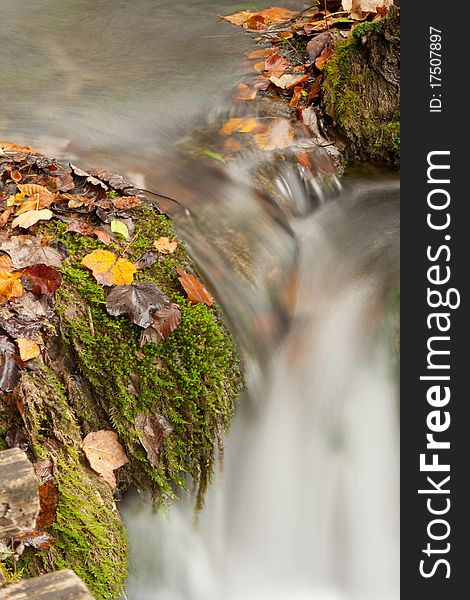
(344, 88)
(97, 376)
(191, 379)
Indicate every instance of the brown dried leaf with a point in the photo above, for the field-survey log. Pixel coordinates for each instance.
(26, 250)
(324, 56)
(152, 431)
(126, 202)
(48, 499)
(10, 374)
(41, 540)
(104, 453)
(6, 214)
(43, 470)
(166, 320)
(37, 192)
(196, 292)
(136, 302)
(165, 245)
(297, 96)
(275, 65)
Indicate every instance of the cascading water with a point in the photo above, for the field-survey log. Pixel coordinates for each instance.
(306, 505)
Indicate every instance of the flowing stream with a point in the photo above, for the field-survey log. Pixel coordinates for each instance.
(305, 505)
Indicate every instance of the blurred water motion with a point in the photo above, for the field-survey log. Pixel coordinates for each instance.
(306, 506)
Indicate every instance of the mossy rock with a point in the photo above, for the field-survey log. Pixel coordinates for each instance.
(93, 375)
(361, 91)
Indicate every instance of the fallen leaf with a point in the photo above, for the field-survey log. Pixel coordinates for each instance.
(28, 348)
(16, 437)
(287, 81)
(196, 292)
(261, 53)
(275, 65)
(314, 90)
(136, 302)
(43, 470)
(259, 20)
(108, 269)
(10, 286)
(103, 237)
(165, 245)
(278, 135)
(316, 45)
(27, 250)
(31, 217)
(231, 146)
(120, 228)
(12, 147)
(6, 263)
(296, 96)
(114, 180)
(245, 92)
(10, 374)
(16, 176)
(38, 193)
(126, 202)
(147, 260)
(259, 67)
(104, 453)
(48, 501)
(152, 431)
(166, 320)
(215, 156)
(239, 125)
(41, 279)
(324, 56)
(41, 540)
(6, 214)
(60, 182)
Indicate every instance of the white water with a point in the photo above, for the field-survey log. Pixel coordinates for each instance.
(306, 506)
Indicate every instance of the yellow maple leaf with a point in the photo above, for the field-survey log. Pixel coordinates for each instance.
(28, 348)
(10, 286)
(108, 269)
(240, 125)
(165, 245)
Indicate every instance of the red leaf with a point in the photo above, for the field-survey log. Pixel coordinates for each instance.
(41, 279)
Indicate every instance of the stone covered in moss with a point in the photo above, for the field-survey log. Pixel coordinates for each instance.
(97, 376)
(361, 91)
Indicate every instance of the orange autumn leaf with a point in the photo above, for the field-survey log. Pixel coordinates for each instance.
(240, 125)
(246, 92)
(6, 264)
(259, 67)
(6, 214)
(278, 135)
(104, 453)
(261, 53)
(296, 96)
(108, 269)
(269, 15)
(324, 56)
(28, 348)
(12, 147)
(37, 193)
(275, 65)
(165, 245)
(10, 286)
(196, 292)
